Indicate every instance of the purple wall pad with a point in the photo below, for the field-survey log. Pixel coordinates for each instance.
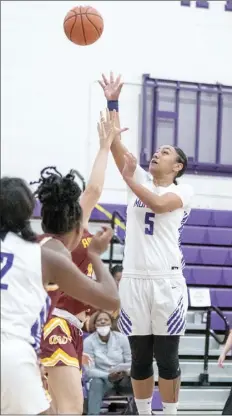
(218, 256)
(203, 217)
(208, 276)
(217, 323)
(207, 236)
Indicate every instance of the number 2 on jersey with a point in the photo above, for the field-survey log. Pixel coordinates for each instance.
(6, 264)
(149, 223)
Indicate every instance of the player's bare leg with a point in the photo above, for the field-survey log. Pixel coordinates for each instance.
(166, 350)
(66, 389)
(143, 392)
(169, 391)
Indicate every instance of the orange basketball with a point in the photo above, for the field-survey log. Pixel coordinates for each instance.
(83, 25)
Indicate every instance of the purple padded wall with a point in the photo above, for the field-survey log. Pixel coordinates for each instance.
(206, 236)
(220, 256)
(208, 276)
(203, 217)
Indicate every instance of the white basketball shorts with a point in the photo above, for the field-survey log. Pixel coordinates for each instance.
(22, 391)
(155, 305)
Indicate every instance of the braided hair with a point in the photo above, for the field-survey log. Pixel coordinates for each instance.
(17, 204)
(181, 158)
(59, 196)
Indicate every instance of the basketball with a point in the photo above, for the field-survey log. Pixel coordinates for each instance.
(83, 25)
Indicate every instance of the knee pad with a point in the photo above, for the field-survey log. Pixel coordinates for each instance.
(142, 356)
(166, 354)
(141, 370)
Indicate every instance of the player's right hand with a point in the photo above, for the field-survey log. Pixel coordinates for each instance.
(111, 87)
(221, 360)
(100, 241)
(107, 129)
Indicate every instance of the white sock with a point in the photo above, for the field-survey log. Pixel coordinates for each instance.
(144, 406)
(170, 408)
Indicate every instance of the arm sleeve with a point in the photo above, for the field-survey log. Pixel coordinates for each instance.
(92, 371)
(185, 192)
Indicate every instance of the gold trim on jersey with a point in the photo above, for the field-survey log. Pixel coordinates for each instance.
(51, 288)
(116, 313)
(60, 355)
(48, 396)
(54, 323)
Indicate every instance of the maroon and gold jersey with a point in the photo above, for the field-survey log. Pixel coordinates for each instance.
(80, 258)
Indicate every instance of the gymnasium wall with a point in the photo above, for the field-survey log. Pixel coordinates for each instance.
(50, 98)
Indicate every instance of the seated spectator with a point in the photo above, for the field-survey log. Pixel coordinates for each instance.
(111, 355)
(116, 272)
(228, 346)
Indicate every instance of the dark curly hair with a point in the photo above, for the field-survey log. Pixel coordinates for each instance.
(17, 204)
(59, 196)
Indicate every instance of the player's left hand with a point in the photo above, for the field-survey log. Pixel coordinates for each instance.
(130, 165)
(111, 87)
(86, 359)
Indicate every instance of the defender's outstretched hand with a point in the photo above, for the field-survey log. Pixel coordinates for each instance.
(107, 129)
(100, 241)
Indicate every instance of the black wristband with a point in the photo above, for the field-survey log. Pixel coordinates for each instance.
(112, 105)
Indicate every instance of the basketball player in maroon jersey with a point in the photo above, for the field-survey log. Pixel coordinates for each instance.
(62, 345)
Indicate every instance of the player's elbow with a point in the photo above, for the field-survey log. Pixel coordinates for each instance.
(111, 302)
(94, 190)
(159, 207)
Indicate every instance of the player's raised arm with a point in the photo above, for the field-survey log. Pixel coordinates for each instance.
(95, 185)
(102, 293)
(112, 89)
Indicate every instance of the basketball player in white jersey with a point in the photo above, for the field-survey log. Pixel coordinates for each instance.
(25, 268)
(153, 291)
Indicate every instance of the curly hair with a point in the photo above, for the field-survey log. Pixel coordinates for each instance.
(59, 196)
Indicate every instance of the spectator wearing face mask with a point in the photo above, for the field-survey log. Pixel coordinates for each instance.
(111, 361)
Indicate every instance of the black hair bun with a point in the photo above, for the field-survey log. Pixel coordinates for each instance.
(58, 191)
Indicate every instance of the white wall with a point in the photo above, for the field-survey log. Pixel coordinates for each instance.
(51, 102)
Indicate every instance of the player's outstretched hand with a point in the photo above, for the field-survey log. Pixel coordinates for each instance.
(130, 165)
(100, 241)
(111, 87)
(107, 129)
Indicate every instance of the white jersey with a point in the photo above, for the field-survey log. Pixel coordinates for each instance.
(152, 245)
(24, 301)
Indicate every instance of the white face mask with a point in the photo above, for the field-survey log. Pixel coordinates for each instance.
(103, 330)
